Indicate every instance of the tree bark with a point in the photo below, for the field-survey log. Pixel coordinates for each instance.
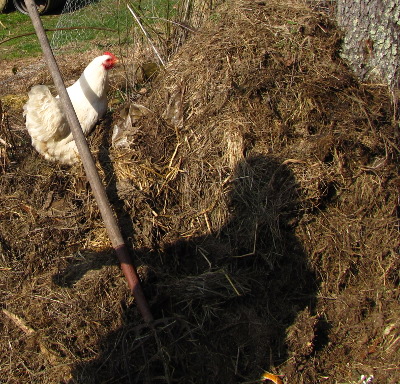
(372, 38)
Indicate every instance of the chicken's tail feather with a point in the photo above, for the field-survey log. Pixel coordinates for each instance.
(48, 126)
(61, 151)
(45, 119)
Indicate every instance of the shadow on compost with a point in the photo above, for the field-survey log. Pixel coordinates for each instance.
(225, 299)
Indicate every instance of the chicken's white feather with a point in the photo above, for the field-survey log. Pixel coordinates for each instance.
(46, 122)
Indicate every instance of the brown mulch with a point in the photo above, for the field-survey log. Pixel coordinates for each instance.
(260, 198)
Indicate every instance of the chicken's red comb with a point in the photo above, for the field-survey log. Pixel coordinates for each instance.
(110, 54)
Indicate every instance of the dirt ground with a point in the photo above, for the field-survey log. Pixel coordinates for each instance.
(259, 197)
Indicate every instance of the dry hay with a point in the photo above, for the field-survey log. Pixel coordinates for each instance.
(262, 141)
(260, 195)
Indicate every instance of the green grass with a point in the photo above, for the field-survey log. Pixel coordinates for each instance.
(103, 14)
(100, 14)
(15, 24)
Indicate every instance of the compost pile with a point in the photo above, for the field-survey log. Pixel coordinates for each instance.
(260, 198)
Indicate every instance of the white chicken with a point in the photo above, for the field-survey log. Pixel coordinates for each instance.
(45, 120)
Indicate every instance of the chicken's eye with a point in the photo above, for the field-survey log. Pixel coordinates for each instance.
(109, 62)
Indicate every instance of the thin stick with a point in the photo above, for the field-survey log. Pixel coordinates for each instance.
(253, 252)
(231, 283)
(173, 22)
(146, 34)
(19, 322)
(51, 356)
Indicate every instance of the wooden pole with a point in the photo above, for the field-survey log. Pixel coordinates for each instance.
(99, 192)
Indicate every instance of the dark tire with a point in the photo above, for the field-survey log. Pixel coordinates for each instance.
(5, 6)
(43, 6)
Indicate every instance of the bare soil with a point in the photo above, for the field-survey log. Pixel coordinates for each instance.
(259, 197)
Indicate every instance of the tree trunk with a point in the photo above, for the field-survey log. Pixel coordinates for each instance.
(372, 38)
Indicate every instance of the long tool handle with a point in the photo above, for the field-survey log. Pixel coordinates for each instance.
(91, 172)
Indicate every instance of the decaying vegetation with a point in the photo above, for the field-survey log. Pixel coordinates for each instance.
(260, 198)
